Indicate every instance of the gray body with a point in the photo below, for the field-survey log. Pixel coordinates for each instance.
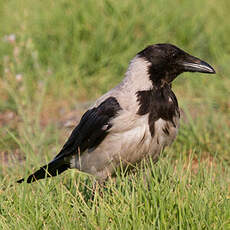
(129, 140)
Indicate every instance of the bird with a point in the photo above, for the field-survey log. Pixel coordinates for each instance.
(135, 120)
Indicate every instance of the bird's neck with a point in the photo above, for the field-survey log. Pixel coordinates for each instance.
(140, 76)
(137, 75)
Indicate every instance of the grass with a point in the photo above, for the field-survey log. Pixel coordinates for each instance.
(174, 197)
(56, 55)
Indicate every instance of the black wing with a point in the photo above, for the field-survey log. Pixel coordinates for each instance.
(90, 132)
(92, 129)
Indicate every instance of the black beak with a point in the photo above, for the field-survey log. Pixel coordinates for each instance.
(194, 64)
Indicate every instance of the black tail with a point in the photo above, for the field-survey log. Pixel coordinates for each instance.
(54, 168)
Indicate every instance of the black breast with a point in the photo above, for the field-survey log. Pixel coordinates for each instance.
(158, 103)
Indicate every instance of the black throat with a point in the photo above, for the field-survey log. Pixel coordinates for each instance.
(164, 75)
(158, 102)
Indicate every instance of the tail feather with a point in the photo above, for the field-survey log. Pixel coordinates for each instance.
(54, 168)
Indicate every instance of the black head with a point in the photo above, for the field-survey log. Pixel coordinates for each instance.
(168, 61)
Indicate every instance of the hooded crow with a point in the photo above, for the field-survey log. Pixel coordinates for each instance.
(135, 120)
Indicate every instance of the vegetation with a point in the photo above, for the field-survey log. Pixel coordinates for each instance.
(56, 55)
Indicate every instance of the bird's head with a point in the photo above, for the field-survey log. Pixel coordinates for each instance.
(167, 61)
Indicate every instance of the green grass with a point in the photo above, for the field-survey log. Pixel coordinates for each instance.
(173, 197)
(68, 52)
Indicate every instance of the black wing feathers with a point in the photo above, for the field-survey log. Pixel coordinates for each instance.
(92, 128)
(89, 133)
(54, 168)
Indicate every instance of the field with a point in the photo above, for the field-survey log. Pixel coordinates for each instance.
(58, 56)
